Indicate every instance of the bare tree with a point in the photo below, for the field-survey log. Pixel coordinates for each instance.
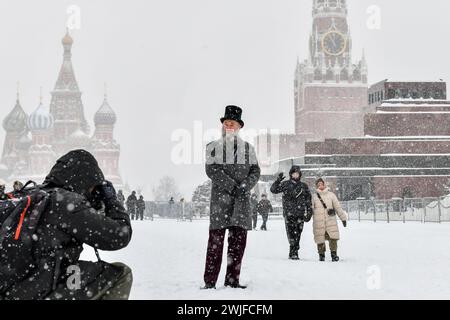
(166, 189)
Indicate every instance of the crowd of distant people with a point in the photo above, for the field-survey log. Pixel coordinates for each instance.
(135, 207)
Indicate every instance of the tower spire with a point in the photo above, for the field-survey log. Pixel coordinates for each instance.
(40, 95)
(66, 99)
(323, 7)
(105, 91)
(66, 79)
(17, 91)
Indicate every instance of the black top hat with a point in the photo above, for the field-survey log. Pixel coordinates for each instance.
(233, 113)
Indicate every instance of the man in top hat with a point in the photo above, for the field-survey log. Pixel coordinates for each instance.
(232, 166)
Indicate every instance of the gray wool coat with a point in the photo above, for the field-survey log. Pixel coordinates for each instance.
(231, 165)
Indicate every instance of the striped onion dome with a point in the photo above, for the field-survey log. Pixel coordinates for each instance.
(40, 119)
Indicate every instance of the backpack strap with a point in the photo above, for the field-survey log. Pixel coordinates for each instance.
(22, 216)
(98, 255)
(8, 224)
(41, 203)
(323, 203)
(27, 184)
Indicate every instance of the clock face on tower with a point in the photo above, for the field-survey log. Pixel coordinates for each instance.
(334, 43)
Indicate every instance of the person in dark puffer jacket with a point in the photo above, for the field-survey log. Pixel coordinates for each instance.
(83, 209)
(296, 207)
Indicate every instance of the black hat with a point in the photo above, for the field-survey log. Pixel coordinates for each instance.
(233, 113)
(295, 169)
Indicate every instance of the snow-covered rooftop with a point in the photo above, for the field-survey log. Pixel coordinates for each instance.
(412, 112)
(408, 138)
(414, 81)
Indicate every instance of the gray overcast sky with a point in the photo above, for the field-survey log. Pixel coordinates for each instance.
(171, 62)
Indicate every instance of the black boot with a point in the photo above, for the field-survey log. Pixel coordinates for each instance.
(208, 286)
(235, 286)
(293, 255)
(321, 257)
(334, 257)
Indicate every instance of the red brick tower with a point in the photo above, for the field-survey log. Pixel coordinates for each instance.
(104, 147)
(330, 90)
(66, 106)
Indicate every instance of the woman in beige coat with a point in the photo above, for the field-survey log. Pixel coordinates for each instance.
(325, 222)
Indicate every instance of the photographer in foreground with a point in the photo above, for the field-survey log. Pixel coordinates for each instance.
(76, 195)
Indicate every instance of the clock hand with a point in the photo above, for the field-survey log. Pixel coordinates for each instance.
(333, 39)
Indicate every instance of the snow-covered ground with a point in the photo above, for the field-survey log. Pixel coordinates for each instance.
(378, 261)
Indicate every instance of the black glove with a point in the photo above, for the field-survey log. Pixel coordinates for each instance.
(344, 223)
(108, 192)
(281, 177)
(105, 193)
(95, 198)
(308, 215)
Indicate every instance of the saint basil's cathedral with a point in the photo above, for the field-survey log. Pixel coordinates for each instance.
(34, 142)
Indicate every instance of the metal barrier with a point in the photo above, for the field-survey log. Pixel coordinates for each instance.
(423, 210)
(176, 210)
(189, 211)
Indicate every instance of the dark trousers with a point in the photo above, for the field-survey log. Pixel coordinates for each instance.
(321, 247)
(131, 213)
(255, 220)
(294, 229)
(265, 217)
(140, 215)
(237, 241)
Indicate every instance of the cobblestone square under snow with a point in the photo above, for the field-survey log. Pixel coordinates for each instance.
(378, 261)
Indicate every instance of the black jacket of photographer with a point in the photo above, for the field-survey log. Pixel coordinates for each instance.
(296, 195)
(71, 219)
